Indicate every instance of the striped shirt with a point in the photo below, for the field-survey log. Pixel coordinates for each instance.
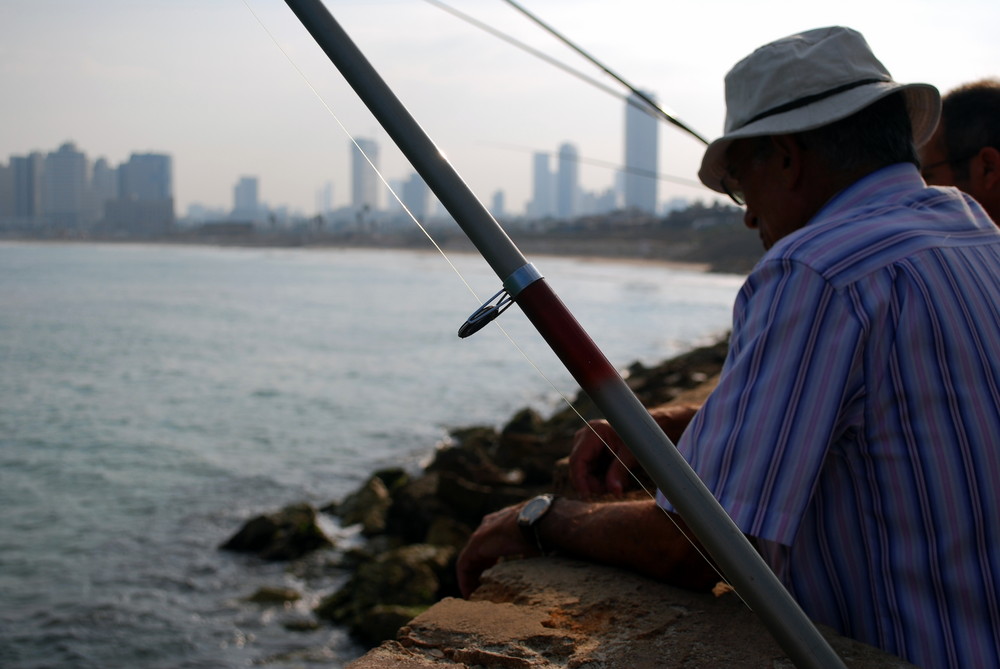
(856, 425)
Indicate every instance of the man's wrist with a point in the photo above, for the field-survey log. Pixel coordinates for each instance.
(531, 515)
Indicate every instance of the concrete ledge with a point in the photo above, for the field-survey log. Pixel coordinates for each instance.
(548, 612)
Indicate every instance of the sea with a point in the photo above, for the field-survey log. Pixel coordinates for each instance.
(155, 397)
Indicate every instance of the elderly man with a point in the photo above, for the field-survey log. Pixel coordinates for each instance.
(853, 433)
(965, 149)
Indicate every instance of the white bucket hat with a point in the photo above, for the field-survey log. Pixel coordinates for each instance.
(807, 81)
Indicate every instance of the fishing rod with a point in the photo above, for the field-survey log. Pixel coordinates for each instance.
(524, 285)
(635, 91)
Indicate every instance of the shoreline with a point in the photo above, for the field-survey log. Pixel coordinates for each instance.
(577, 254)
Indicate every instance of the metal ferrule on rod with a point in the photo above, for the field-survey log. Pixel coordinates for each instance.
(728, 547)
(525, 275)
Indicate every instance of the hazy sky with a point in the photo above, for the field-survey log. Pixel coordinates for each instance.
(203, 81)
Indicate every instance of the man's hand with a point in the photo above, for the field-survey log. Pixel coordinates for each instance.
(593, 467)
(497, 536)
(601, 464)
(674, 419)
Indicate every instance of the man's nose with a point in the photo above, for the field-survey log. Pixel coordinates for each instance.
(750, 219)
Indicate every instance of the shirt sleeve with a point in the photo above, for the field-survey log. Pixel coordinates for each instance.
(761, 438)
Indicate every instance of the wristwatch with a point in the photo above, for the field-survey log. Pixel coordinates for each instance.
(529, 515)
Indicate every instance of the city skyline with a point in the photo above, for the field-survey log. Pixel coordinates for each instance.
(63, 189)
(69, 188)
(204, 82)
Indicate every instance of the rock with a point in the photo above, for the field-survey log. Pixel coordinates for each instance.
(414, 526)
(527, 442)
(300, 624)
(408, 578)
(553, 613)
(285, 535)
(367, 506)
(383, 621)
(469, 501)
(414, 508)
(272, 595)
(447, 531)
(471, 457)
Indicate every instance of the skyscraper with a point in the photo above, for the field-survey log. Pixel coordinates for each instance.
(28, 185)
(65, 189)
(567, 182)
(641, 155)
(497, 205)
(415, 194)
(6, 193)
(145, 203)
(542, 198)
(364, 180)
(104, 184)
(324, 199)
(246, 200)
(146, 177)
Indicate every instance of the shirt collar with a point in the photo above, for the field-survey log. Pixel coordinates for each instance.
(887, 184)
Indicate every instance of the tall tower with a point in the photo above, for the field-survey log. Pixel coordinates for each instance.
(324, 199)
(364, 181)
(246, 199)
(103, 186)
(641, 155)
(415, 196)
(542, 199)
(567, 182)
(66, 187)
(28, 185)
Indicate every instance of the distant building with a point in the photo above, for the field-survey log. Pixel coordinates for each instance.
(641, 155)
(543, 191)
(324, 199)
(415, 196)
(675, 204)
(497, 207)
(568, 182)
(145, 203)
(596, 203)
(246, 200)
(27, 175)
(147, 177)
(104, 183)
(65, 189)
(6, 195)
(364, 180)
(199, 213)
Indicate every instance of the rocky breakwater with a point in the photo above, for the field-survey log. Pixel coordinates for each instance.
(401, 599)
(413, 525)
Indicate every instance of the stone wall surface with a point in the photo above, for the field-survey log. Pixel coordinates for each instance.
(546, 613)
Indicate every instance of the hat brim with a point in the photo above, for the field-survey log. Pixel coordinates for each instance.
(923, 102)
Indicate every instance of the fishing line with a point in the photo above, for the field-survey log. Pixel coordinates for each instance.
(643, 96)
(642, 106)
(360, 150)
(681, 181)
(458, 272)
(647, 104)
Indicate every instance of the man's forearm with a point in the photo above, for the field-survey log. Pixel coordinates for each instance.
(635, 535)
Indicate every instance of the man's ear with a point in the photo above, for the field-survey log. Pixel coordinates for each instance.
(788, 154)
(989, 158)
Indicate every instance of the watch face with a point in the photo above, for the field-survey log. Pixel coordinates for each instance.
(534, 510)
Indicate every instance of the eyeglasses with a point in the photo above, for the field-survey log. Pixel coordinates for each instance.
(733, 190)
